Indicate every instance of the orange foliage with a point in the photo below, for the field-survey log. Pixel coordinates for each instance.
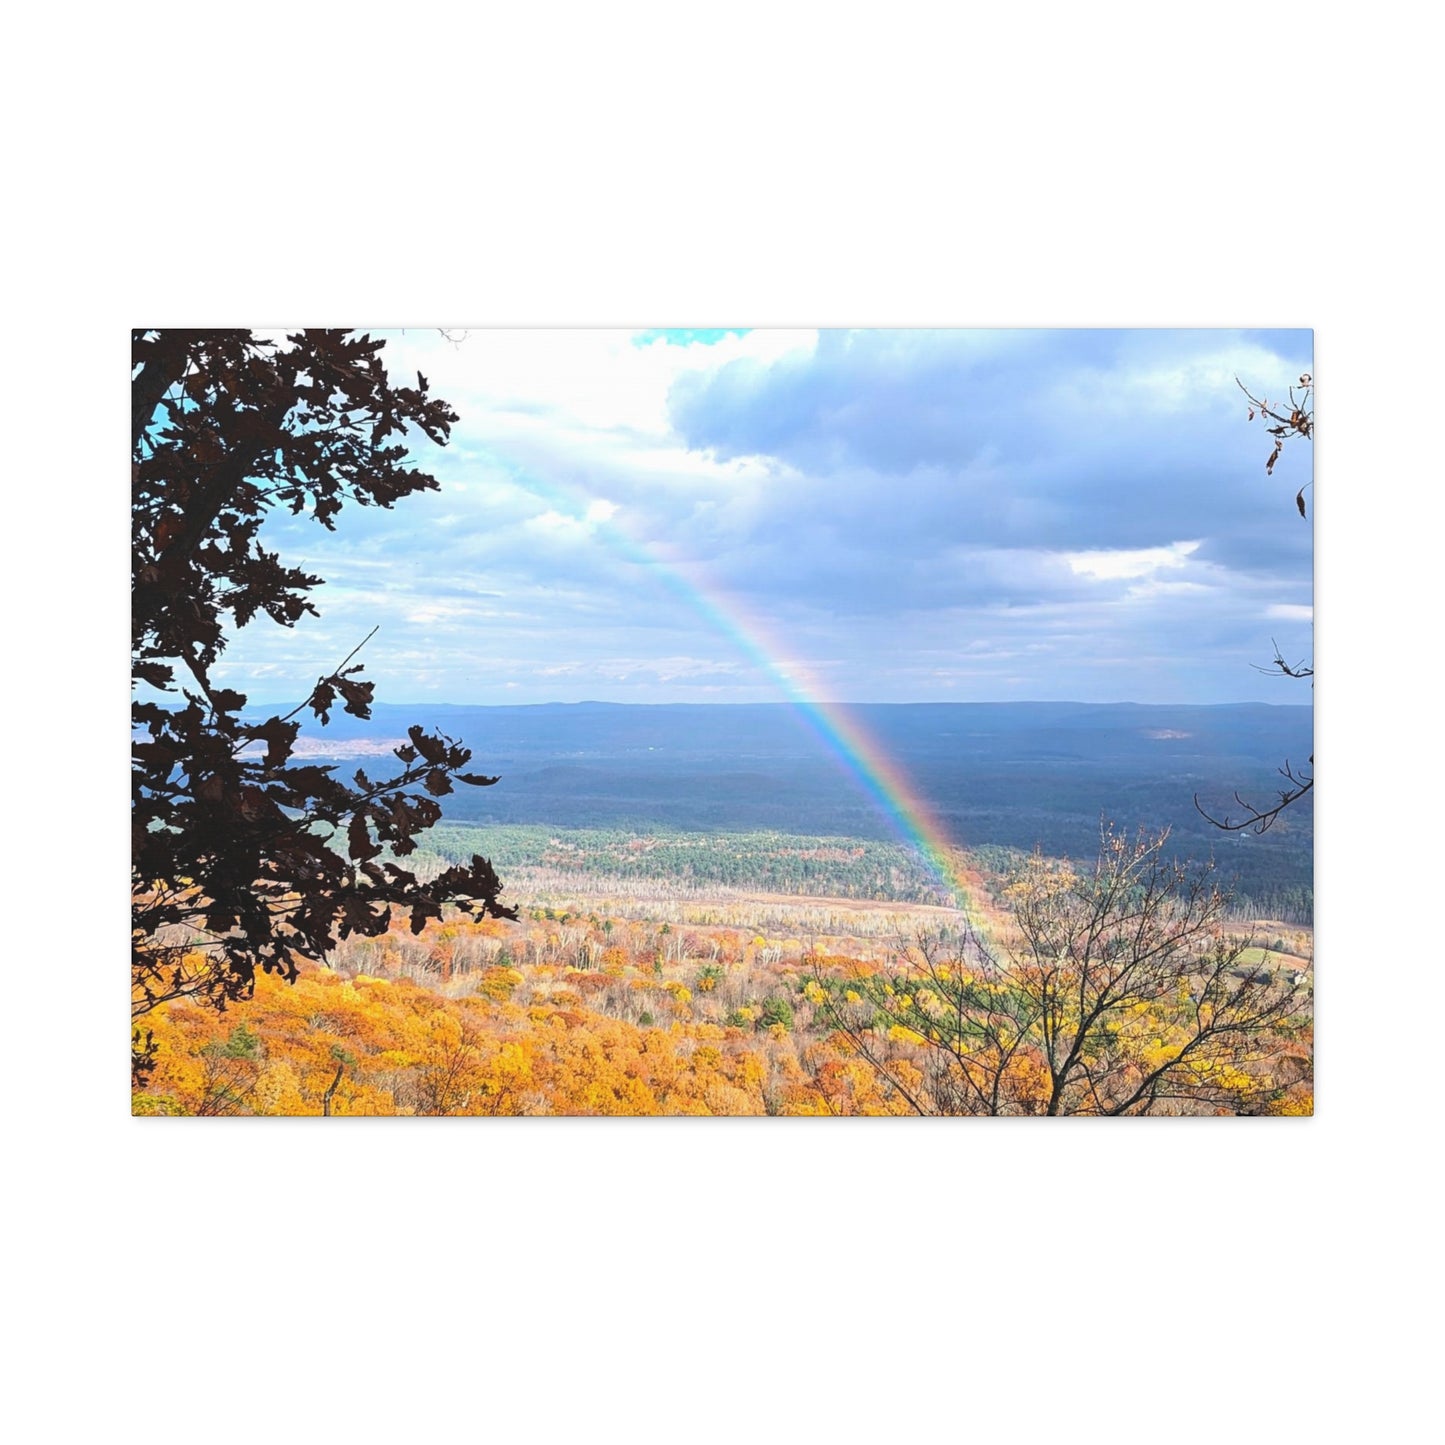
(491, 1018)
(497, 1039)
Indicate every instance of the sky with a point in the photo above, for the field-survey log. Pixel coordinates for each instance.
(733, 515)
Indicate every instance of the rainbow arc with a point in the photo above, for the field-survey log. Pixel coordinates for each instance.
(859, 754)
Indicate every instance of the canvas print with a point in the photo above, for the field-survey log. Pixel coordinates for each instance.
(730, 721)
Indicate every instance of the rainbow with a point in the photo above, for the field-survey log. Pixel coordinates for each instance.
(859, 755)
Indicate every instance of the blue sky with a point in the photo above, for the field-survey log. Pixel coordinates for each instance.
(686, 515)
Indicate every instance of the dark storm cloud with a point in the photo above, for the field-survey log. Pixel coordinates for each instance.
(1063, 440)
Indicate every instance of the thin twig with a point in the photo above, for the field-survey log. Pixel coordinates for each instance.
(333, 673)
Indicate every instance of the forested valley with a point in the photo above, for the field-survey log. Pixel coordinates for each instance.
(741, 974)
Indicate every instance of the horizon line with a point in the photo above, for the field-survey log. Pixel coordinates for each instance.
(289, 702)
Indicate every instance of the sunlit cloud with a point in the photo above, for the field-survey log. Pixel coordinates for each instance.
(1135, 562)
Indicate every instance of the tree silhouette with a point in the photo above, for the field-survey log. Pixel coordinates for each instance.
(1295, 420)
(241, 859)
(1114, 990)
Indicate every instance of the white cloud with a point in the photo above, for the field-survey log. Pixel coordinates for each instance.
(1118, 564)
(553, 521)
(596, 377)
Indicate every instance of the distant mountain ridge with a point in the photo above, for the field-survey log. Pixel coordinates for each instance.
(1011, 775)
(564, 727)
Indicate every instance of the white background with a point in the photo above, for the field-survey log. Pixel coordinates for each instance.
(696, 165)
